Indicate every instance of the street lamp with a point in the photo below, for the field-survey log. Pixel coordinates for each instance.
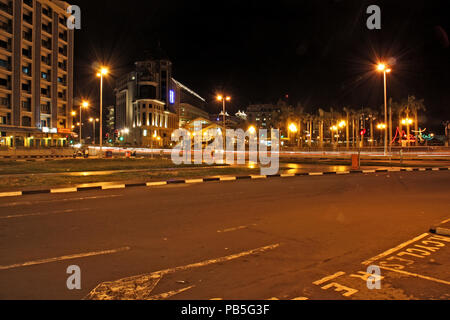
(101, 73)
(408, 122)
(224, 99)
(93, 126)
(85, 105)
(385, 69)
(252, 130)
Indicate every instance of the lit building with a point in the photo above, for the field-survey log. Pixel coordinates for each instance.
(262, 115)
(150, 104)
(36, 73)
(110, 120)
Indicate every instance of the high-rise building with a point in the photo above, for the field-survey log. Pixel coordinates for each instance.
(150, 104)
(36, 73)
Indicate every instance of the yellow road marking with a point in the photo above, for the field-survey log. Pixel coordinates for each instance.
(316, 174)
(416, 275)
(259, 177)
(70, 257)
(390, 251)
(328, 278)
(288, 175)
(343, 172)
(445, 221)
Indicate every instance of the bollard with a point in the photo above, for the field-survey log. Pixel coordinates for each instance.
(355, 162)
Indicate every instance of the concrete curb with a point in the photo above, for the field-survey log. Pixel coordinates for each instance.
(440, 231)
(108, 186)
(32, 158)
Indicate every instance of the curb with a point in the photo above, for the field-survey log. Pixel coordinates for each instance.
(440, 231)
(205, 180)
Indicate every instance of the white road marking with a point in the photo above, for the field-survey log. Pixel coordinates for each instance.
(316, 174)
(70, 257)
(259, 177)
(232, 229)
(343, 172)
(288, 175)
(30, 203)
(369, 171)
(390, 251)
(445, 221)
(126, 288)
(43, 213)
(169, 294)
(416, 275)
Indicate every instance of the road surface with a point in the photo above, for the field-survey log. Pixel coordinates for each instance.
(282, 238)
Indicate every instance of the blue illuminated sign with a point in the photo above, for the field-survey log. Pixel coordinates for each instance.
(172, 97)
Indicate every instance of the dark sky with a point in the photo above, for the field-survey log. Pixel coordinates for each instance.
(320, 52)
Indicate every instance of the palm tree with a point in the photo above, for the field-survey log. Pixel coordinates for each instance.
(415, 106)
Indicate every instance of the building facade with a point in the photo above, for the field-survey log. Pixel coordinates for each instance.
(262, 115)
(150, 104)
(36, 73)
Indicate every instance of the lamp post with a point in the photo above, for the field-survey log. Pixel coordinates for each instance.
(381, 126)
(102, 72)
(292, 130)
(385, 69)
(93, 126)
(85, 105)
(224, 99)
(408, 122)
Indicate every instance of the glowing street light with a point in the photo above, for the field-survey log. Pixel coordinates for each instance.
(381, 126)
(385, 69)
(342, 124)
(223, 99)
(293, 128)
(101, 73)
(93, 121)
(407, 121)
(252, 130)
(85, 105)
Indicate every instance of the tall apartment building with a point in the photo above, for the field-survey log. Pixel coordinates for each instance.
(150, 104)
(36, 73)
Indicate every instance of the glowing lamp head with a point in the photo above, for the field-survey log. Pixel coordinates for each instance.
(219, 98)
(85, 104)
(252, 130)
(381, 67)
(228, 98)
(293, 128)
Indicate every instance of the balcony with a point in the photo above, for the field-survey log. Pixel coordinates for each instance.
(6, 27)
(45, 108)
(26, 106)
(28, 36)
(47, 44)
(46, 60)
(28, 3)
(28, 19)
(47, 28)
(63, 51)
(8, 8)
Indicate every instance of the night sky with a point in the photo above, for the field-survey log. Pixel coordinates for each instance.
(319, 52)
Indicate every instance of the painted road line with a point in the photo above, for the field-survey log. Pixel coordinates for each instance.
(69, 257)
(140, 287)
(369, 171)
(112, 187)
(64, 190)
(194, 181)
(343, 172)
(30, 203)
(416, 275)
(156, 184)
(44, 213)
(10, 194)
(328, 278)
(232, 229)
(316, 173)
(435, 169)
(445, 221)
(169, 294)
(390, 251)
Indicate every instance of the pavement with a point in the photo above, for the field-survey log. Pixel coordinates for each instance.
(310, 237)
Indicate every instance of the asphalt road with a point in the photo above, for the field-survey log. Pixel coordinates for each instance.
(281, 238)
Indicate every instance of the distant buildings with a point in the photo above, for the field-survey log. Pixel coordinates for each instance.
(110, 120)
(36, 73)
(150, 104)
(263, 115)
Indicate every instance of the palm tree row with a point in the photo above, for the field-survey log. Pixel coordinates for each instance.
(346, 126)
